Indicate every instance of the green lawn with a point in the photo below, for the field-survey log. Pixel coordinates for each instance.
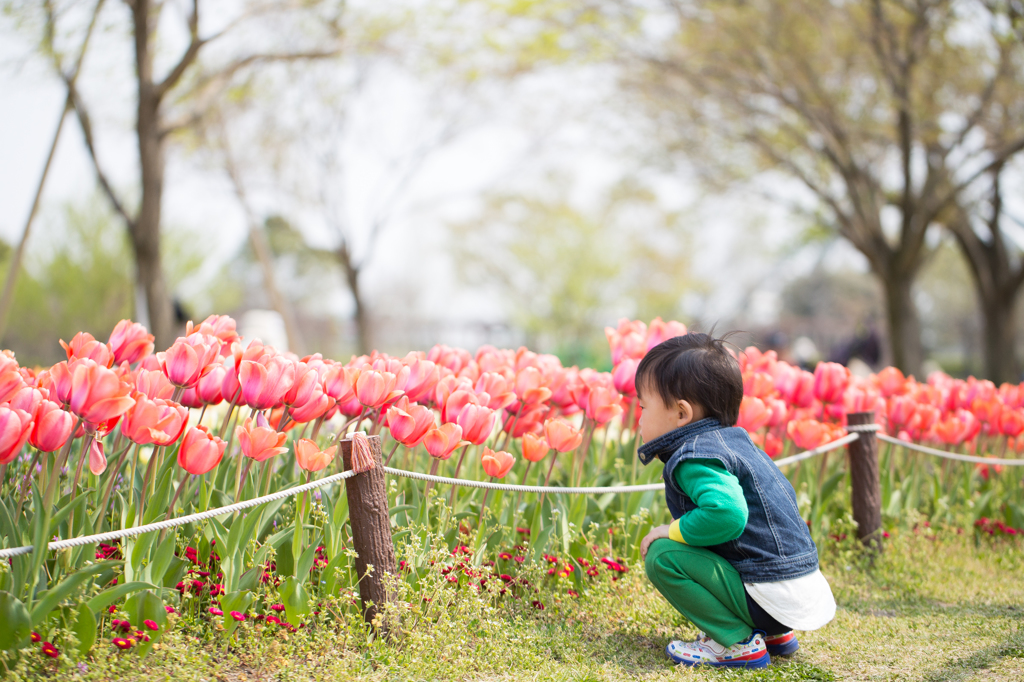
(930, 608)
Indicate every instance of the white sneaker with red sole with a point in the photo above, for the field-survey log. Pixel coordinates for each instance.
(753, 653)
(782, 645)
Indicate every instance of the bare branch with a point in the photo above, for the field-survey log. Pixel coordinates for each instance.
(186, 59)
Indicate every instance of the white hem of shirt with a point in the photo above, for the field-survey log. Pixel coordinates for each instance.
(804, 603)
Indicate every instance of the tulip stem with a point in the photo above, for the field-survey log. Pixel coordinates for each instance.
(392, 453)
(458, 466)
(433, 472)
(131, 483)
(102, 509)
(515, 510)
(242, 476)
(483, 505)
(25, 484)
(177, 493)
(86, 445)
(150, 468)
(202, 413)
(231, 411)
(508, 434)
(547, 478)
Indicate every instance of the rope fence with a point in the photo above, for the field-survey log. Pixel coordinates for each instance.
(856, 431)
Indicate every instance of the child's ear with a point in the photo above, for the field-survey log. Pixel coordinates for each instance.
(685, 413)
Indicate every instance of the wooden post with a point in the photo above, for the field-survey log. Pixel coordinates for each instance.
(371, 530)
(865, 490)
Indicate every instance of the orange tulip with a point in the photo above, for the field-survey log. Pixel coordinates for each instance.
(535, 448)
(603, 404)
(130, 342)
(497, 464)
(312, 458)
(83, 345)
(808, 433)
(561, 435)
(190, 358)
(1011, 422)
(957, 428)
(260, 441)
(15, 429)
(52, 427)
(200, 451)
(97, 393)
(409, 422)
(758, 384)
(891, 382)
(442, 441)
(753, 414)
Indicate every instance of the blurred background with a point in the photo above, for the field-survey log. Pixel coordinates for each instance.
(840, 180)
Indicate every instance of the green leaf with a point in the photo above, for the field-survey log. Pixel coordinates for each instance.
(111, 595)
(142, 607)
(235, 601)
(541, 542)
(85, 629)
(15, 624)
(141, 549)
(306, 562)
(400, 508)
(285, 561)
(327, 575)
(162, 559)
(48, 600)
(77, 505)
(250, 580)
(294, 598)
(175, 572)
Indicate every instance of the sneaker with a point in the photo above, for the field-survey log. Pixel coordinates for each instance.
(705, 651)
(782, 645)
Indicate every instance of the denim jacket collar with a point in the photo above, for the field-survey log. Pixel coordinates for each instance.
(665, 445)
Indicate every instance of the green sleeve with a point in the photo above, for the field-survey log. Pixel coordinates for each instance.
(721, 513)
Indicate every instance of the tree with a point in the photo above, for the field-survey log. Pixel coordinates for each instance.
(564, 273)
(875, 107)
(171, 100)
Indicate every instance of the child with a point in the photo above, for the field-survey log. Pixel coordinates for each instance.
(738, 560)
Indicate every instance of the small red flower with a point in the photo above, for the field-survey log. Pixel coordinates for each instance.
(573, 593)
(238, 616)
(36, 638)
(123, 643)
(50, 650)
(215, 611)
(505, 555)
(537, 605)
(169, 609)
(151, 624)
(277, 607)
(274, 619)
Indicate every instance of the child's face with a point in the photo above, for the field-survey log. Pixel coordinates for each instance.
(657, 418)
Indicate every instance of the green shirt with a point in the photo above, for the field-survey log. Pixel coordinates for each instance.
(721, 513)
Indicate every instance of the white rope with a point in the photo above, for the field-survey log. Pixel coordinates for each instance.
(821, 449)
(951, 455)
(594, 490)
(179, 521)
(863, 428)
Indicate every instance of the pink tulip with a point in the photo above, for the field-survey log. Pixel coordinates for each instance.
(794, 385)
(28, 399)
(958, 428)
(442, 441)
(529, 386)
(315, 407)
(891, 382)
(158, 422)
(754, 415)
(900, 411)
(220, 326)
(207, 391)
(190, 358)
(200, 451)
(497, 464)
(97, 393)
(409, 422)
(97, 458)
(830, 381)
(535, 448)
(624, 376)
(340, 382)
(628, 340)
(495, 387)
(153, 384)
(1011, 422)
(11, 381)
(779, 411)
(477, 422)
(423, 377)
(658, 331)
(312, 458)
(15, 429)
(259, 441)
(52, 427)
(758, 384)
(374, 389)
(83, 345)
(303, 385)
(130, 342)
(266, 381)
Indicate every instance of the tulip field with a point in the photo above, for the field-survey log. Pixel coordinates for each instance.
(118, 436)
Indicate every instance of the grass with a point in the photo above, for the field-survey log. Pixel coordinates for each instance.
(935, 606)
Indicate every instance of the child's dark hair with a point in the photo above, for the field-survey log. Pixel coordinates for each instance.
(697, 368)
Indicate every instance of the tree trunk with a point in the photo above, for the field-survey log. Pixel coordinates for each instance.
(145, 232)
(361, 317)
(903, 321)
(1000, 338)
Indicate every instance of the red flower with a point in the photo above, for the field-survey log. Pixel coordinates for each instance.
(123, 643)
(151, 624)
(50, 650)
(238, 616)
(537, 605)
(36, 638)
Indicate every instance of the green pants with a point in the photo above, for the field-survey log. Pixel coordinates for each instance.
(702, 586)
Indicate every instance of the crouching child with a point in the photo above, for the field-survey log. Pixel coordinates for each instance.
(738, 560)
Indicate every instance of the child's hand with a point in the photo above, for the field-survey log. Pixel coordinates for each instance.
(657, 533)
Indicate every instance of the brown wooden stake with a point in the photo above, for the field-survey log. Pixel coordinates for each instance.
(865, 490)
(371, 531)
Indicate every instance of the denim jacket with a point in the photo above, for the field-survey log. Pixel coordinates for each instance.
(776, 544)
